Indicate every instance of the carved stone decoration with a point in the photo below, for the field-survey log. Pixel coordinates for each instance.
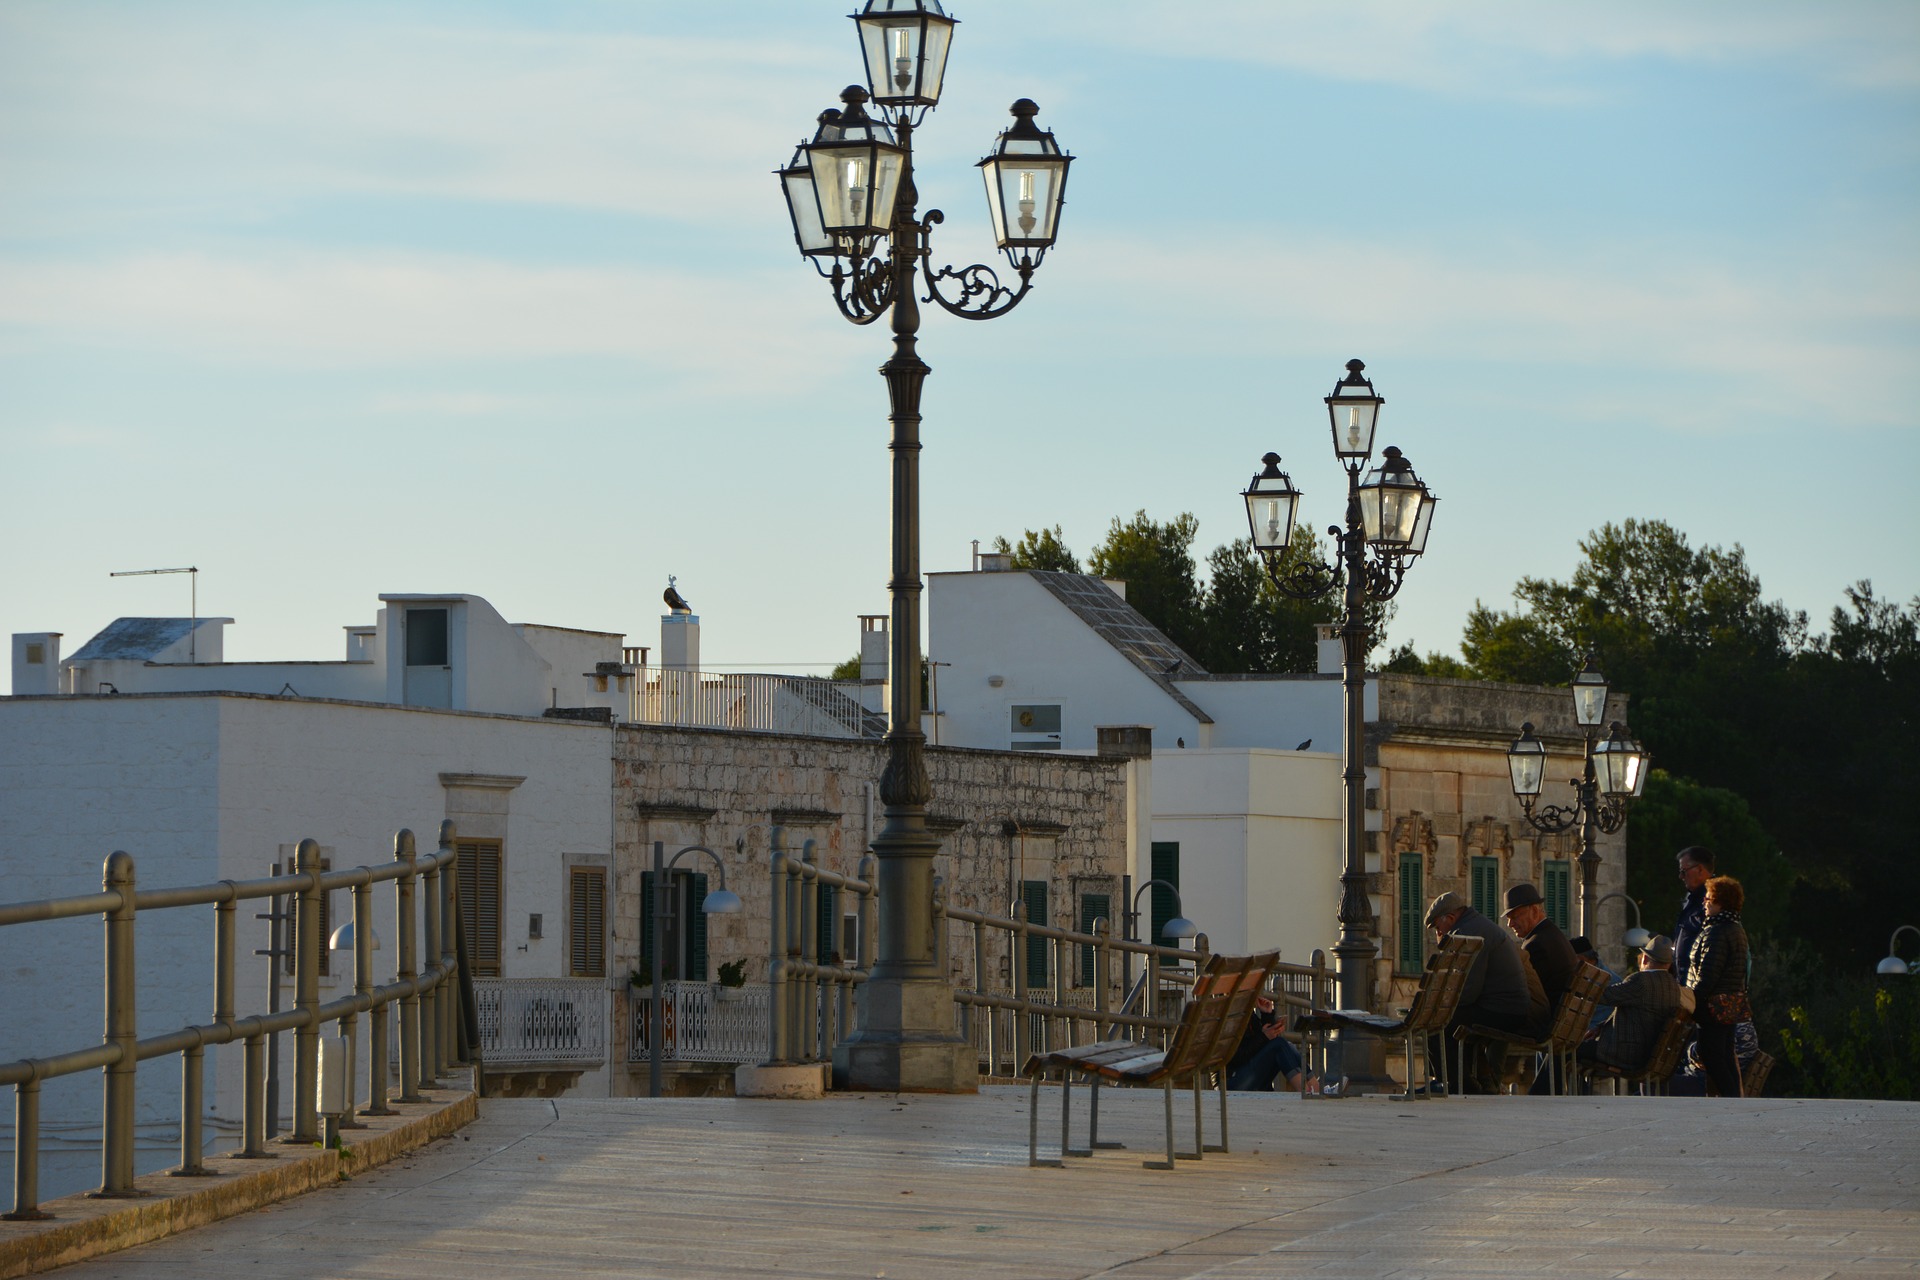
(1411, 834)
(1487, 838)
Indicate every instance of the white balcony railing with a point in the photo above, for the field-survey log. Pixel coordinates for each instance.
(561, 1020)
(769, 703)
(705, 1022)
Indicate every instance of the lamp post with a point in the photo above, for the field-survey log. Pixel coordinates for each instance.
(1177, 927)
(850, 194)
(721, 901)
(1613, 773)
(1636, 938)
(1893, 965)
(1388, 515)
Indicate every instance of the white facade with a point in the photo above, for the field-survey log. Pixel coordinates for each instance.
(203, 787)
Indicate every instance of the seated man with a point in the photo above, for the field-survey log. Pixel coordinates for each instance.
(1642, 1003)
(1496, 990)
(1264, 1054)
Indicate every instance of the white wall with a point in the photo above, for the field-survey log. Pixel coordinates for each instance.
(1276, 711)
(570, 656)
(1008, 625)
(1260, 847)
(199, 788)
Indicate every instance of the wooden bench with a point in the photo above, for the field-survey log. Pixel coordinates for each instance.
(1210, 1029)
(1754, 1078)
(1569, 1027)
(1432, 1008)
(1662, 1061)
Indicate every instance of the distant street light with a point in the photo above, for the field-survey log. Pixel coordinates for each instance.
(1388, 516)
(1893, 964)
(721, 901)
(1613, 773)
(1636, 938)
(851, 197)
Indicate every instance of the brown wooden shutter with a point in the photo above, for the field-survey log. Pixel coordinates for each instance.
(479, 864)
(587, 922)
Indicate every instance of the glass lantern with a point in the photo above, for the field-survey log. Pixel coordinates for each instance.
(1026, 175)
(1527, 762)
(1271, 503)
(904, 44)
(1354, 412)
(1390, 500)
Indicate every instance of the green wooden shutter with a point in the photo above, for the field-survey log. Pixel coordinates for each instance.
(646, 923)
(1093, 906)
(696, 929)
(827, 904)
(478, 863)
(1034, 894)
(1413, 930)
(1165, 865)
(587, 922)
(1557, 889)
(1485, 887)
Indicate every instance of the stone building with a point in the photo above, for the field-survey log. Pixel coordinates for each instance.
(1442, 815)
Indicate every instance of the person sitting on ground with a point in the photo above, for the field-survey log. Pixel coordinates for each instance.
(1265, 1055)
(1495, 991)
(1717, 973)
(1639, 1008)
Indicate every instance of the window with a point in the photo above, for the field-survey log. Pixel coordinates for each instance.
(478, 863)
(1484, 888)
(1093, 906)
(683, 949)
(1166, 868)
(36, 654)
(426, 637)
(1412, 915)
(1556, 876)
(1034, 894)
(1035, 726)
(587, 922)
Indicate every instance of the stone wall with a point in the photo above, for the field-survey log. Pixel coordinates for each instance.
(1438, 751)
(1004, 817)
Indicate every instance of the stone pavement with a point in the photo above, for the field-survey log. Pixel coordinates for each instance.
(918, 1186)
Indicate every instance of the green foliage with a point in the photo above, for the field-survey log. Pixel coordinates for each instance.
(848, 670)
(1248, 624)
(1404, 661)
(1674, 813)
(1866, 1049)
(1041, 549)
(733, 973)
(1156, 561)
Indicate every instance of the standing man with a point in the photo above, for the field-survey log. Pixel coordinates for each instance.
(1696, 868)
(1551, 955)
(1495, 992)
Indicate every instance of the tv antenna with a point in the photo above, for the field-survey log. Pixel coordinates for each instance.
(193, 601)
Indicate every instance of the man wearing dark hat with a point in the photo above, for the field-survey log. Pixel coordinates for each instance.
(1642, 1004)
(1550, 954)
(1495, 993)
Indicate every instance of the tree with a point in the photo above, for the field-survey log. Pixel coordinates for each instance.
(1044, 549)
(848, 670)
(1157, 563)
(1251, 626)
(1673, 813)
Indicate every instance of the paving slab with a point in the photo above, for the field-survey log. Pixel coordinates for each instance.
(921, 1186)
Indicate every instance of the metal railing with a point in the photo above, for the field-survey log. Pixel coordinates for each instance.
(435, 1032)
(810, 995)
(704, 1022)
(771, 703)
(542, 1020)
(1006, 1026)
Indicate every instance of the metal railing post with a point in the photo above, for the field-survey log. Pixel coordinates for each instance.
(430, 970)
(26, 1154)
(809, 931)
(116, 1151)
(449, 992)
(403, 851)
(1016, 963)
(362, 989)
(777, 960)
(193, 1083)
(306, 996)
(985, 1013)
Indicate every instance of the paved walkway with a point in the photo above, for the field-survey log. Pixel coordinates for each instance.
(913, 1187)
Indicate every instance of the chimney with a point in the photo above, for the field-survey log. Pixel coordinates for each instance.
(680, 641)
(995, 562)
(1328, 635)
(876, 637)
(1125, 741)
(36, 663)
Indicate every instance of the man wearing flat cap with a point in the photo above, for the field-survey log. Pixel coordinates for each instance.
(1495, 993)
(1642, 1003)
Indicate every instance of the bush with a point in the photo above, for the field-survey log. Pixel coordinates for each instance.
(1857, 1038)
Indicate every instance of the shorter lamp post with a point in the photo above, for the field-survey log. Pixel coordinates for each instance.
(1177, 927)
(1893, 965)
(346, 940)
(721, 901)
(1613, 774)
(1636, 938)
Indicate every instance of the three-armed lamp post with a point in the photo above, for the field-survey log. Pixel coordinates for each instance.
(1614, 773)
(850, 193)
(1388, 515)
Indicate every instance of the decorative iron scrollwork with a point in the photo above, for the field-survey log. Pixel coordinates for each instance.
(866, 291)
(982, 296)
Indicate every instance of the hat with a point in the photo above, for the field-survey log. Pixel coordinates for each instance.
(1444, 905)
(1580, 945)
(1659, 949)
(1522, 895)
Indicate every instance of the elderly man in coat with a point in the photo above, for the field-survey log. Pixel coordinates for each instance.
(1495, 994)
(1642, 1003)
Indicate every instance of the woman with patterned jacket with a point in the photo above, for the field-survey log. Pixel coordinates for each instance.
(1717, 974)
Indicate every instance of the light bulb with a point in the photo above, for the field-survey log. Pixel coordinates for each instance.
(902, 56)
(1353, 428)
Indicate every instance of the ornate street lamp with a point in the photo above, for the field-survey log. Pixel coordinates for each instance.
(1388, 516)
(1613, 774)
(851, 198)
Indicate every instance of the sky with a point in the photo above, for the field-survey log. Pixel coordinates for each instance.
(337, 299)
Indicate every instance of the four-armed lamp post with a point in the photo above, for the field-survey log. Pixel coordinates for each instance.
(1388, 515)
(1615, 771)
(851, 195)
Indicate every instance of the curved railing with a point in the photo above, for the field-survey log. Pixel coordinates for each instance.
(436, 1028)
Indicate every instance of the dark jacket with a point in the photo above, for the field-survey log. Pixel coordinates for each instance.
(1496, 983)
(1253, 1039)
(1693, 914)
(1719, 961)
(1553, 959)
(1642, 1003)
